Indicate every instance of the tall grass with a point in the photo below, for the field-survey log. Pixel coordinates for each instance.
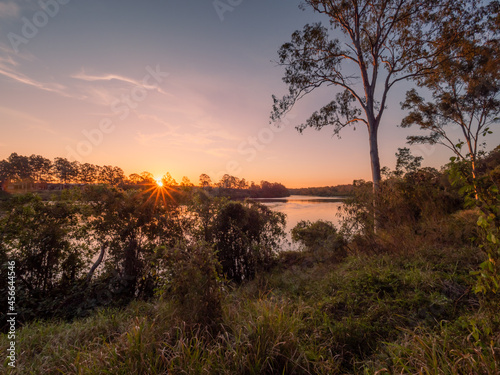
(381, 313)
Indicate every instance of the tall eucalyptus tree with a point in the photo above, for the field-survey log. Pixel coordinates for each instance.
(377, 44)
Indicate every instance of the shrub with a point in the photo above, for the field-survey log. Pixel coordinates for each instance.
(44, 241)
(247, 237)
(194, 284)
(319, 236)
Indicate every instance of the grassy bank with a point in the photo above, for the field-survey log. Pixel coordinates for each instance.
(311, 314)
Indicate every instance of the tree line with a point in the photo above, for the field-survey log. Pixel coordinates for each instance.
(38, 169)
(325, 191)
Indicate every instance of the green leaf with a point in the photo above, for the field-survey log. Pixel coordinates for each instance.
(481, 221)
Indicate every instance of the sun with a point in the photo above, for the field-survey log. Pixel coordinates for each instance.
(159, 192)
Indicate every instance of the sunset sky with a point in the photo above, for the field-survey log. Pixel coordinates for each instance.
(174, 86)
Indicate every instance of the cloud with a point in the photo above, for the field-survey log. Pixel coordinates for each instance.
(158, 120)
(9, 10)
(8, 60)
(187, 142)
(31, 122)
(208, 142)
(21, 78)
(116, 77)
(144, 139)
(11, 65)
(24, 116)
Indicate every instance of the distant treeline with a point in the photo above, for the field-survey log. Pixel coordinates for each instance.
(325, 191)
(36, 172)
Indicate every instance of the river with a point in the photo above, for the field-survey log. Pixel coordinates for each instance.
(305, 207)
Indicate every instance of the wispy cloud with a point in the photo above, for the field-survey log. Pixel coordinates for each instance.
(207, 142)
(24, 79)
(10, 67)
(24, 116)
(116, 77)
(187, 142)
(31, 122)
(158, 120)
(9, 9)
(9, 53)
(145, 139)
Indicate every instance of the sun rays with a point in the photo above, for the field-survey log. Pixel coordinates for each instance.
(159, 192)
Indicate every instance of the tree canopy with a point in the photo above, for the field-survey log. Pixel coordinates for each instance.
(381, 42)
(465, 89)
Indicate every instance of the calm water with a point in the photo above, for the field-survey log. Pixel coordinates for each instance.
(304, 207)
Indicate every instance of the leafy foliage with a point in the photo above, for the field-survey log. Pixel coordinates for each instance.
(46, 242)
(194, 284)
(482, 192)
(384, 42)
(320, 236)
(465, 88)
(246, 237)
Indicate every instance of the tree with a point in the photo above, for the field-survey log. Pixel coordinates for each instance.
(50, 251)
(228, 182)
(243, 184)
(20, 167)
(130, 228)
(134, 178)
(205, 180)
(406, 162)
(111, 175)
(246, 237)
(118, 176)
(186, 182)
(88, 173)
(64, 170)
(465, 91)
(40, 168)
(168, 180)
(147, 178)
(5, 171)
(387, 41)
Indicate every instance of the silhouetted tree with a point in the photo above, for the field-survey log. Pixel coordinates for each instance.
(168, 180)
(40, 168)
(88, 173)
(64, 170)
(20, 167)
(134, 178)
(147, 178)
(205, 180)
(246, 238)
(111, 175)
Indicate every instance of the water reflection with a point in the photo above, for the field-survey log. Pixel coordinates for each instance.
(303, 207)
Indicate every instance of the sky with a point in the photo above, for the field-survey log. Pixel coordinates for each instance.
(179, 86)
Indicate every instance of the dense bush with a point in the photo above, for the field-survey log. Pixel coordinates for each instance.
(46, 243)
(54, 243)
(320, 236)
(130, 226)
(247, 237)
(405, 204)
(104, 246)
(194, 284)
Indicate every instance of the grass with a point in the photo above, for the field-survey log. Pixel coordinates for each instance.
(385, 313)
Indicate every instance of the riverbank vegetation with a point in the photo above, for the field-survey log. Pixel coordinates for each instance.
(325, 191)
(19, 173)
(131, 281)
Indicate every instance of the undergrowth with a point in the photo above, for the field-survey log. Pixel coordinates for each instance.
(311, 314)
